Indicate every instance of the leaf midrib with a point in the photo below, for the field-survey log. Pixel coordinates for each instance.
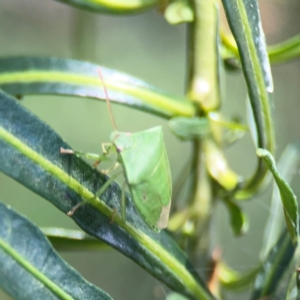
(34, 271)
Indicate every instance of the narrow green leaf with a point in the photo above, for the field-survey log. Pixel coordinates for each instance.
(285, 51)
(31, 269)
(244, 20)
(112, 6)
(188, 129)
(298, 283)
(292, 292)
(31, 75)
(273, 268)
(233, 280)
(72, 240)
(238, 220)
(30, 153)
(287, 166)
(288, 198)
(218, 168)
(217, 119)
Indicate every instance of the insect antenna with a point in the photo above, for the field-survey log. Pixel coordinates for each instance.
(107, 100)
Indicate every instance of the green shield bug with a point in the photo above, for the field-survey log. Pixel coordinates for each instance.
(144, 159)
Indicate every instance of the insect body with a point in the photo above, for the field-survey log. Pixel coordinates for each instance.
(144, 159)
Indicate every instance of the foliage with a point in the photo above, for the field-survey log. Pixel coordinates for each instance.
(30, 154)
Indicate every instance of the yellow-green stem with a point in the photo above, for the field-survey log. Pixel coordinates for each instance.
(203, 61)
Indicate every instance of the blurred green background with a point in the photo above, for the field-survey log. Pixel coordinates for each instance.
(147, 47)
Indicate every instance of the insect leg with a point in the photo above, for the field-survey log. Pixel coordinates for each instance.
(106, 185)
(113, 168)
(74, 208)
(92, 156)
(98, 194)
(106, 147)
(107, 150)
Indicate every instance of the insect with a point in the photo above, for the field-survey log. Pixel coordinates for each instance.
(145, 163)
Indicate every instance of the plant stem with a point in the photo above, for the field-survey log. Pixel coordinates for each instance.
(203, 61)
(203, 90)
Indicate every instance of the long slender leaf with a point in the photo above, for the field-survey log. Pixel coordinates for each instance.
(287, 166)
(244, 20)
(273, 268)
(30, 153)
(31, 269)
(112, 6)
(292, 292)
(32, 75)
(233, 280)
(288, 198)
(285, 51)
(218, 168)
(279, 53)
(238, 220)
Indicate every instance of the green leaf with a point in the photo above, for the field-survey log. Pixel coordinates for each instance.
(30, 153)
(218, 168)
(288, 198)
(72, 240)
(285, 51)
(112, 6)
(238, 220)
(188, 129)
(233, 280)
(293, 292)
(31, 269)
(273, 268)
(287, 167)
(244, 20)
(29, 75)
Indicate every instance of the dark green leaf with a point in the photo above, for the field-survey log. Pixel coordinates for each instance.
(273, 268)
(27, 75)
(30, 153)
(238, 220)
(31, 269)
(288, 198)
(112, 6)
(244, 20)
